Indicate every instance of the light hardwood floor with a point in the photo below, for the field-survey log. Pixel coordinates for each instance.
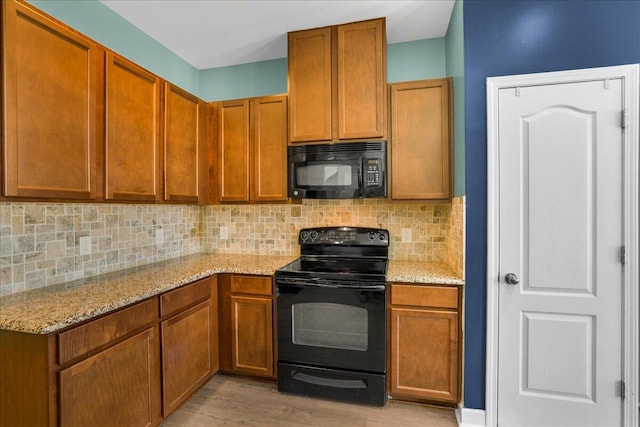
(232, 401)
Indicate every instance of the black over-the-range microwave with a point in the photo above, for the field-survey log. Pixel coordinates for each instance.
(338, 171)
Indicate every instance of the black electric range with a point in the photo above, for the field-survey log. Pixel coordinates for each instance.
(331, 315)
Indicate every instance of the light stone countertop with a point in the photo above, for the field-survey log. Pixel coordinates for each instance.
(45, 310)
(436, 273)
(49, 309)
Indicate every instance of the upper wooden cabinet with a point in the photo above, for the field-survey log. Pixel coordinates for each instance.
(184, 135)
(337, 82)
(421, 140)
(132, 132)
(51, 112)
(252, 150)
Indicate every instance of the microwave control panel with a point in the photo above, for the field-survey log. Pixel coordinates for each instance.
(373, 171)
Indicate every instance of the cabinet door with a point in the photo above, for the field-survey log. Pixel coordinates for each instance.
(117, 387)
(421, 138)
(252, 335)
(51, 76)
(310, 85)
(186, 354)
(183, 156)
(132, 153)
(362, 80)
(424, 354)
(269, 149)
(233, 151)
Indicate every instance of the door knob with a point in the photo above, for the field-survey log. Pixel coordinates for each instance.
(512, 279)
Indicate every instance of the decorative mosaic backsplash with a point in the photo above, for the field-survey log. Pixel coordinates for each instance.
(39, 242)
(273, 229)
(455, 243)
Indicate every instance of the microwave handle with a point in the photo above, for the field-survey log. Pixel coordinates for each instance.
(360, 175)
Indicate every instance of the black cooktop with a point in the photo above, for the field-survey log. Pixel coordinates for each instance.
(337, 265)
(341, 253)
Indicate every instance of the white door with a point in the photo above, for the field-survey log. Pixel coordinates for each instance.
(560, 334)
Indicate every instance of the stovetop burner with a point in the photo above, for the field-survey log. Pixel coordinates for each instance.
(341, 253)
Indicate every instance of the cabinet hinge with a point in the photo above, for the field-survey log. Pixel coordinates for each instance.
(623, 119)
(623, 255)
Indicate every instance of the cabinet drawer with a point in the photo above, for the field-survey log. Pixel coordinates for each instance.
(180, 298)
(258, 285)
(424, 296)
(90, 336)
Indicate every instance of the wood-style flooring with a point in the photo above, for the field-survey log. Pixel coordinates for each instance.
(232, 401)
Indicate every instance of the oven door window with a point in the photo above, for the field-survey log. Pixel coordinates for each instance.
(330, 325)
(338, 174)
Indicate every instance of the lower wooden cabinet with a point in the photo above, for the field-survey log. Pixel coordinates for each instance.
(116, 387)
(132, 367)
(187, 345)
(425, 343)
(246, 325)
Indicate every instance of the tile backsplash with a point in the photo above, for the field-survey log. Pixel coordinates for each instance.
(273, 229)
(39, 242)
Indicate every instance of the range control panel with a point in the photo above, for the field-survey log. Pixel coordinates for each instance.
(361, 236)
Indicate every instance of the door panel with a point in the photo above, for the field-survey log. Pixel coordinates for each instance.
(558, 355)
(560, 340)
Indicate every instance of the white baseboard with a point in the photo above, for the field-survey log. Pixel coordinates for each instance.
(470, 417)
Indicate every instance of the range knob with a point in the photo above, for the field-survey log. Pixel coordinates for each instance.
(382, 236)
(304, 235)
(314, 235)
(372, 235)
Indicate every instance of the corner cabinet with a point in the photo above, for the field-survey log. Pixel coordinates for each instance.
(421, 140)
(425, 343)
(184, 145)
(337, 82)
(51, 110)
(130, 367)
(252, 150)
(246, 325)
(132, 132)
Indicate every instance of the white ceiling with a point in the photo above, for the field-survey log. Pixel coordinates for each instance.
(218, 33)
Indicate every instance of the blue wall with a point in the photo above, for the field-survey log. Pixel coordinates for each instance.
(518, 37)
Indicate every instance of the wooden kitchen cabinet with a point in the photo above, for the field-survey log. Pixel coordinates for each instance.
(118, 386)
(188, 345)
(337, 82)
(425, 343)
(246, 325)
(422, 140)
(133, 171)
(184, 145)
(252, 150)
(132, 367)
(52, 107)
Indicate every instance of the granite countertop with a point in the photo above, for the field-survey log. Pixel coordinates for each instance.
(49, 309)
(45, 310)
(436, 273)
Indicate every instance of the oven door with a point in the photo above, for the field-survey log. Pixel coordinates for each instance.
(332, 325)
